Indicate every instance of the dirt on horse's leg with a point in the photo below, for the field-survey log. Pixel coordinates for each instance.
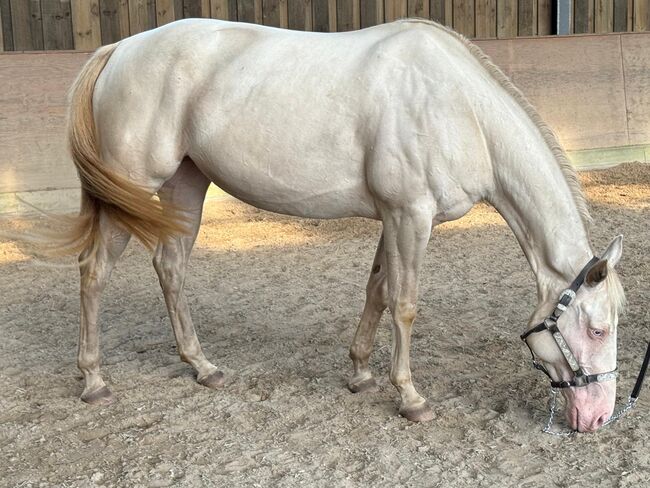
(95, 271)
(364, 338)
(406, 234)
(186, 190)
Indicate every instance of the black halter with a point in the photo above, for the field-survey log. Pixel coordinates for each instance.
(550, 324)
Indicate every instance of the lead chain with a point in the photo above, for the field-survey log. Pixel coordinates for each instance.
(548, 429)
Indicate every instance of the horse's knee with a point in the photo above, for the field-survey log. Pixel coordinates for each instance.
(404, 312)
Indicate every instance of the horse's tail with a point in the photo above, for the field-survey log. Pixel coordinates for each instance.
(102, 190)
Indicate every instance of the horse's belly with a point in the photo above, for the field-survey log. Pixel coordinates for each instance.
(284, 185)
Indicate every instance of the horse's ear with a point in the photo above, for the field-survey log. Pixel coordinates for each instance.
(597, 273)
(614, 251)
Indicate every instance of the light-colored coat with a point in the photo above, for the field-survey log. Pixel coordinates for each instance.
(405, 122)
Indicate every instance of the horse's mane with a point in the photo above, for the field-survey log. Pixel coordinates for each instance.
(546, 132)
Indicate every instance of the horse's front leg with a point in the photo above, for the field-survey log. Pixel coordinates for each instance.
(364, 338)
(406, 234)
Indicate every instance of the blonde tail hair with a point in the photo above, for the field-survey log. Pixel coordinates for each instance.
(102, 190)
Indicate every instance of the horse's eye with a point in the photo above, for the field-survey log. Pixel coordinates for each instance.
(598, 333)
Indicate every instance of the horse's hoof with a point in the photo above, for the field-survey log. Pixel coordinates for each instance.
(214, 380)
(103, 396)
(421, 413)
(363, 385)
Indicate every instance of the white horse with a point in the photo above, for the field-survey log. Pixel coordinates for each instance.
(405, 122)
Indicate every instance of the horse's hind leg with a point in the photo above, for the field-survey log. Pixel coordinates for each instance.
(185, 190)
(364, 338)
(95, 270)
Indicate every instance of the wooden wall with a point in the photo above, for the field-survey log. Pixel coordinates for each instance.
(28, 25)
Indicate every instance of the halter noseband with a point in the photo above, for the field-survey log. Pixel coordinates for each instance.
(550, 324)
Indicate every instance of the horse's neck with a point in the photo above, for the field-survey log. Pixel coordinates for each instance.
(534, 197)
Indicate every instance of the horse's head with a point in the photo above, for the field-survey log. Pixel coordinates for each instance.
(589, 326)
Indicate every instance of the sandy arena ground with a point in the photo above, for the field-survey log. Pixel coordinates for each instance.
(276, 301)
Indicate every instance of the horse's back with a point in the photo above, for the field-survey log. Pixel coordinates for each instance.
(285, 120)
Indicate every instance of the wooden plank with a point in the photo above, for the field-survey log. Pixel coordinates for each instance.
(583, 16)
(271, 12)
(299, 13)
(86, 24)
(27, 25)
(464, 18)
(507, 22)
(371, 12)
(7, 31)
(57, 24)
(331, 15)
(165, 12)
(389, 10)
(544, 17)
(219, 9)
(527, 17)
(620, 15)
(449, 13)
(344, 15)
(320, 15)
(486, 19)
(604, 16)
(640, 15)
(142, 15)
(437, 11)
(418, 8)
(630, 15)
(2, 44)
(246, 11)
(114, 20)
(196, 8)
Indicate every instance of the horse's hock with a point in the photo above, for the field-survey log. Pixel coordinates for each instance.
(592, 90)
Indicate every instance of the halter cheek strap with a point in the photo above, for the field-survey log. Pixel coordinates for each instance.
(550, 324)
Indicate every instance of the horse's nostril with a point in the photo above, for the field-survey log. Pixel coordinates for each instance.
(601, 420)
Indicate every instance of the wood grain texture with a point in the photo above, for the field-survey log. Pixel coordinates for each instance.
(57, 24)
(299, 15)
(196, 9)
(27, 25)
(486, 18)
(437, 11)
(636, 65)
(142, 15)
(219, 9)
(271, 12)
(603, 16)
(583, 16)
(165, 12)
(464, 18)
(641, 15)
(114, 20)
(344, 15)
(320, 15)
(331, 15)
(7, 31)
(507, 18)
(620, 15)
(418, 8)
(544, 17)
(371, 12)
(576, 83)
(86, 24)
(527, 18)
(2, 44)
